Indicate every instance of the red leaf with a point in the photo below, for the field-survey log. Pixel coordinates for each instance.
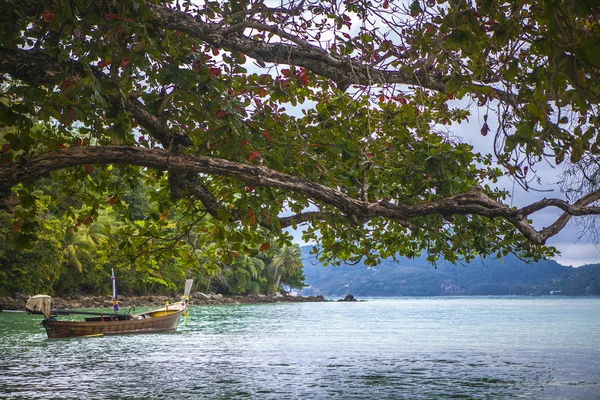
(386, 4)
(266, 135)
(265, 246)
(253, 155)
(285, 72)
(5, 148)
(388, 146)
(88, 168)
(221, 113)
(66, 83)
(125, 63)
(249, 189)
(48, 15)
(79, 142)
(69, 116)
(525, 169)
(15, 226)
(104, 63)
(215, 51)
(177, 33)
(244, 142)
(164, 216)
(62, 146)
(141, 139)
(251, 217)
(113, 17)
(112, 200)
(381, 98)
(214, 72)
(168, 60)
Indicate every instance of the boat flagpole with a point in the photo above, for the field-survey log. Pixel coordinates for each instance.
(114, 287)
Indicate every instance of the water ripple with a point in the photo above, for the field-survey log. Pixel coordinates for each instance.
(384, 349)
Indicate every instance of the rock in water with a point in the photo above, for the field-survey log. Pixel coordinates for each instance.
(349, 297)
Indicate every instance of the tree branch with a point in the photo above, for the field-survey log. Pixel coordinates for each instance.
(304, 217)
(474, 202)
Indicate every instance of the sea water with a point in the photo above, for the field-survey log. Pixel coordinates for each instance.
(403, 348)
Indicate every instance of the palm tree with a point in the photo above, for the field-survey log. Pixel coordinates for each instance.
(286, 262)
(253, 265)
(81, 243)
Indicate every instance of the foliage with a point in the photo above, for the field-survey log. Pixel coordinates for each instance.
(64, 259)
(31, 270)
(192, 103)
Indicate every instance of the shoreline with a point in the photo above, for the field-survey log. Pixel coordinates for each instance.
(126, 302)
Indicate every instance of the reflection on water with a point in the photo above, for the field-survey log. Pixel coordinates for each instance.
(471, 348)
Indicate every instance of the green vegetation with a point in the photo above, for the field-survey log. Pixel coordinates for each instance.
(65, 258)
(159, 138)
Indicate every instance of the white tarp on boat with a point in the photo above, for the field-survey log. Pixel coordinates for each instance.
(39, 302)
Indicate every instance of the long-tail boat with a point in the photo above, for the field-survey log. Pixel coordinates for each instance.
(100, 324)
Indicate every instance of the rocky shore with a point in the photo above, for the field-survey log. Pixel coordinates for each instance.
(198, 298)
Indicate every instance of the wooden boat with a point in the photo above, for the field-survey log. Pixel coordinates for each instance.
(99, 324)
(154, 321)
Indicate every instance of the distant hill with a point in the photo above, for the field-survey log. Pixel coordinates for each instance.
(417, 277)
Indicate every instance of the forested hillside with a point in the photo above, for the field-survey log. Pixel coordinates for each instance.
(418, 277)
(75, 248)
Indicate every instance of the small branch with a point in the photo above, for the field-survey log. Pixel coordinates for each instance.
(301, 218)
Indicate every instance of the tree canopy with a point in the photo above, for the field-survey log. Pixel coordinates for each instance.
(243, 118)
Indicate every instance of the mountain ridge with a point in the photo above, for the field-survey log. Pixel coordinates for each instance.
(418, 277)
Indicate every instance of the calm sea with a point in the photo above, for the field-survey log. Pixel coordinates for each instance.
(404, 348)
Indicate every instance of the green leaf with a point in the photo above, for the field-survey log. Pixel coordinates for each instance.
(453, 84)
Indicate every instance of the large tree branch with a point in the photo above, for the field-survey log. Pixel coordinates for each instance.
(343, 71)
(473, 202)
(37, 68)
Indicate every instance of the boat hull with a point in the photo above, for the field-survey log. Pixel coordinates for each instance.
(149, 322)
